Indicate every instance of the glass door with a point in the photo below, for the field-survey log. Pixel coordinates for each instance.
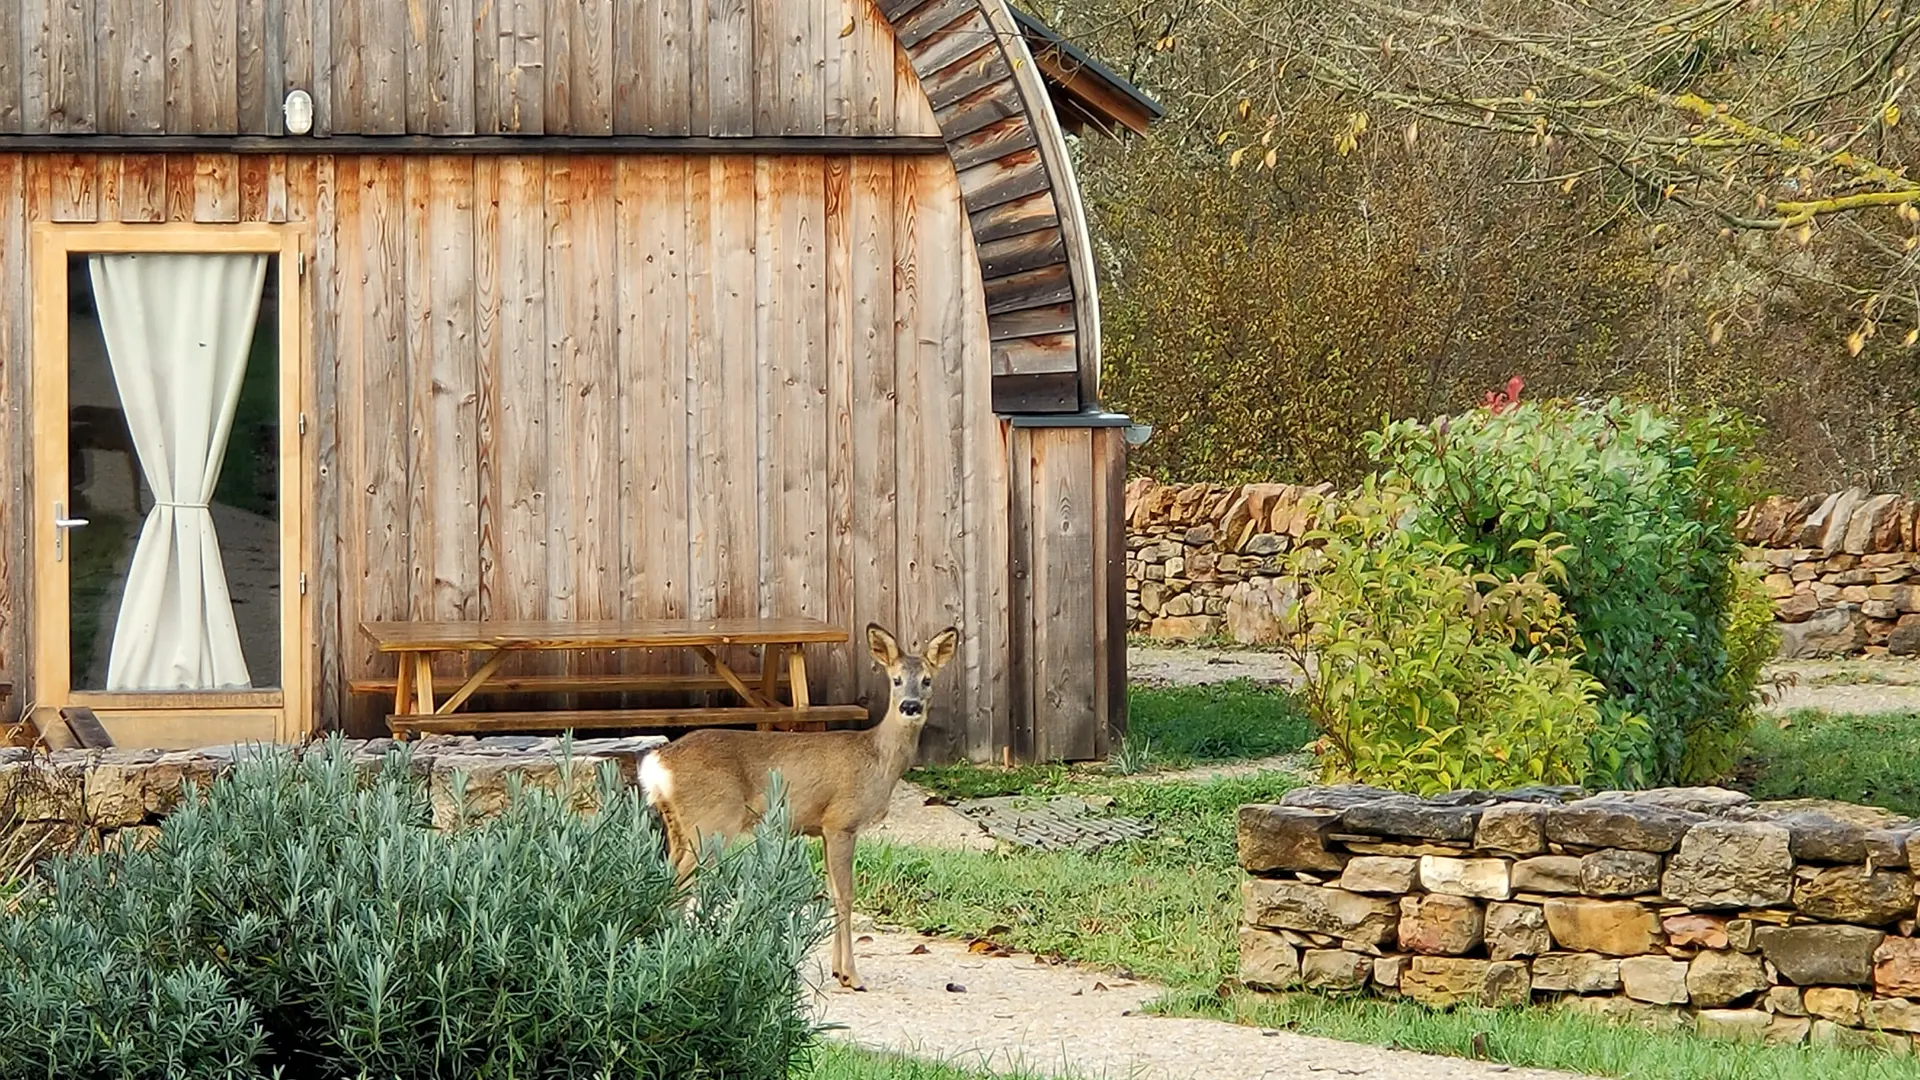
(168, 482)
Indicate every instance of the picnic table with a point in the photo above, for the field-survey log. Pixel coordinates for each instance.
(419, 707)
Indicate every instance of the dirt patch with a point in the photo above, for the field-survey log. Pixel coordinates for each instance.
(1060, 1019)
(911, 819)
(1194, 666)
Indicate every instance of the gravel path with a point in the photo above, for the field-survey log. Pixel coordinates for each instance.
(1020, 1012)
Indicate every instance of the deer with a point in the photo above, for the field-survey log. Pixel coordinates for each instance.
(714, 782)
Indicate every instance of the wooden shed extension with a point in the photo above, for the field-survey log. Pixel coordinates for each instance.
(603, 309)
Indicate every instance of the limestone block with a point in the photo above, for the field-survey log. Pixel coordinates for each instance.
(1604, 823)
(1617, 872)
(1518, 828)
(1731, 864)
(1613, 927)
(1853, 894)
(1578, 973)
(1267, 959)
(1291, 905)
(1379, 874)
(1516, 930)
(1287, 838)
(1335, 969)
(1484, 878)
(1440, 925)
(1443, 981)
(1718, 978)
(1546, 874)
(1820, 955)
(1656, 980)
(1896, 967)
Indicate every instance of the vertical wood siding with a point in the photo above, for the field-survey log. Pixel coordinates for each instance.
(451, 67)
(577, 385)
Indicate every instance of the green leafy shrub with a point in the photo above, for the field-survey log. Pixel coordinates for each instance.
(1640, 506)
(1433, 674)
(305, 918)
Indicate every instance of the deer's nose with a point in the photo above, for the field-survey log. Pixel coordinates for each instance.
(910, 707)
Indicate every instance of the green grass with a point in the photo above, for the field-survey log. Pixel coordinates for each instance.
(1162, 908)
(836, 1061)
(1538, 1038)
(1232, 721)
(1861, 759)
(1168, 727)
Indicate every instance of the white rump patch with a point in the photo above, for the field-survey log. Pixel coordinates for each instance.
(655, 782)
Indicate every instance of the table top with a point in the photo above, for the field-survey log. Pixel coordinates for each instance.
(598, 633)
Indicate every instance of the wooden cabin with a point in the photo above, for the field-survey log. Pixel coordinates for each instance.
(579, 310)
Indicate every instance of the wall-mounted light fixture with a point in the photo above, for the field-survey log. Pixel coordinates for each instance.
(299, 110)
(1137, 434)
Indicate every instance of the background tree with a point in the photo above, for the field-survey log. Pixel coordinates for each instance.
(1359, 208)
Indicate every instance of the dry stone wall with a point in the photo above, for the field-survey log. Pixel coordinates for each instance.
(75, 800)
(1681, 907)
(1207, 561)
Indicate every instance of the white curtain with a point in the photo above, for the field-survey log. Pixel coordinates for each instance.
(178, 329)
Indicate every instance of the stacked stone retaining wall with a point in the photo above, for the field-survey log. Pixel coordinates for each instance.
(73, 800)
(1207, 561)
(1775, 922)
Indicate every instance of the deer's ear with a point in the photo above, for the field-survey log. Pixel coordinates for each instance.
(885, 650)
(940, 649)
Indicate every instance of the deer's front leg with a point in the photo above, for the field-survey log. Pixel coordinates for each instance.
(839, 853)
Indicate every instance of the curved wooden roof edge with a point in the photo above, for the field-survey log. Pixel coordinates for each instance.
(1023, 203)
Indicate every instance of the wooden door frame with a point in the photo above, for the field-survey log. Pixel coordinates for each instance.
(173, 717)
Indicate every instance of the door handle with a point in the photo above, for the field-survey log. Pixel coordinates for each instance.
(61, 523)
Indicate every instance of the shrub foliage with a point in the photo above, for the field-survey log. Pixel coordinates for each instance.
(1624, 650)
(305, 919)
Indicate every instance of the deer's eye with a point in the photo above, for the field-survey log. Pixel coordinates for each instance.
(926, 682)
(896, 681)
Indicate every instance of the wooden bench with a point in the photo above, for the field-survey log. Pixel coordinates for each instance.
(419, 709)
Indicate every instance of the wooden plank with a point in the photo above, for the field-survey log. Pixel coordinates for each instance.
(15, 395)
(1033, 288)
(579, 67)
(1021, 215)
(838, 671)
(36, 72)
(10, 78)
(1109, 522)
(1017, 254)
(583, 503)
(1010, 177)
(911, 113)
(792, 344)
(652, 228)
(991, 143)
(985, 504)
(447, 82)
(383, 66)
(255, 101)
(1032, 356)
(966, 76)
(492, 58)
(724, 378)
(1032, 322)
(392, 635)
(253, 187)
(595, 684)
(517, 366)
(591, 719)
(72, 104)
(790, 45)
(989, 105)
(180, 187)
(869, 60)
(874, 379)
(75, 187)
(729, 53)
(310, 200)
(133, 82)
(657, 50)
(487, 253)
(86, 728)
(1065, 724)
(951, 42)
(1021, 613)
(930, 315)
(377, 557)
(442, 369)
(213, 65)
(277, 189)
(107, 187)
(143, 187)
(929, 19)
(1053, 392)
(306, 57)
(216, 188)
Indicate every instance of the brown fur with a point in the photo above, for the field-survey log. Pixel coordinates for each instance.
(837, 782)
